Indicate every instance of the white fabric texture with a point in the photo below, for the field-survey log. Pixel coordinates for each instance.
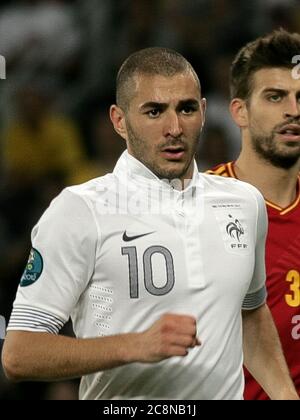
(124, 249)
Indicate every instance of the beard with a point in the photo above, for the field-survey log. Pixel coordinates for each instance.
(139, 151)
(267, 148)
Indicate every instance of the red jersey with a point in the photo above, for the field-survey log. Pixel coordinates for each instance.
(283, 281)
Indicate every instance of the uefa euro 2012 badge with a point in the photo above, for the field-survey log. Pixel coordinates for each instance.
(33, 268)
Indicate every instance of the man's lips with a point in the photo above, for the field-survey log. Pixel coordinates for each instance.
(290, 132)
(173, 152)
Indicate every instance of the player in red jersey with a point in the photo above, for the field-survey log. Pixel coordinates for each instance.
(265, 92)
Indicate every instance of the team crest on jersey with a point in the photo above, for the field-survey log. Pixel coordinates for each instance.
(33, 268)
(233, 227)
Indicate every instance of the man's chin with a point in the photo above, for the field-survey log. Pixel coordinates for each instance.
(284, 161)
(173, 174)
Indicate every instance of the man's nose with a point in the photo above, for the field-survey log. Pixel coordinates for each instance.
(292, 109)
(173, 125)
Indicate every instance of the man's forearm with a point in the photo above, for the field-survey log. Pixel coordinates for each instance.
(43, 356)
(263, 354)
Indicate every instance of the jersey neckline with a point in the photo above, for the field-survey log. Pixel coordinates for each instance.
(282, 210)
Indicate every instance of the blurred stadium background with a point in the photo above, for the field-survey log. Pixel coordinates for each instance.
(61, 60)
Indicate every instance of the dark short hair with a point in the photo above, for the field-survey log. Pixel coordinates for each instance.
(273, 50)
(149, 61)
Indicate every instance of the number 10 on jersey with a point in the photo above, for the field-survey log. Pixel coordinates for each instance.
(131, 253)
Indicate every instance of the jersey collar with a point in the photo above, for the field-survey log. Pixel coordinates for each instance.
(130, 167)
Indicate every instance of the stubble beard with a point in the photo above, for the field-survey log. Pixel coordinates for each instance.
(266, 148)
(138, 151)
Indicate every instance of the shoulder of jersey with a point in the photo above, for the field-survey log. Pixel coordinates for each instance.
(224, 174)
(94, 187)
(220, 174)
(223, 169)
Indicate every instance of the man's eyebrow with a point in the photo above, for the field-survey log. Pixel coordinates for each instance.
(162, 105)
(153, 104)
(274, 89)
(283, 92)
(189, 102)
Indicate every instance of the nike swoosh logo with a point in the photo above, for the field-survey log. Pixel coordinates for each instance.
(131, 238)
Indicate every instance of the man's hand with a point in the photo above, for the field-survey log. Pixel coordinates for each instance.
(171, 335)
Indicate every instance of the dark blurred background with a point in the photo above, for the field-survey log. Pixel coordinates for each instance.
(61, 61)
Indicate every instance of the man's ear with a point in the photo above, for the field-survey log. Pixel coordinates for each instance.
(239, 112)
(203, 110)
(117, 117)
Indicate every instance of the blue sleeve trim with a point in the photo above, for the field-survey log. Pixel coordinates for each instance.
(28, 318)
(256, 299)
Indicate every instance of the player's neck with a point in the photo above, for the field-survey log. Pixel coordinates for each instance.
(276, 184)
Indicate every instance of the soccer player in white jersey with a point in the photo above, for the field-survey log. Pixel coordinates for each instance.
(159, 277)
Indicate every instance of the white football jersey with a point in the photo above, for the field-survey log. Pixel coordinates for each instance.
(119, 251)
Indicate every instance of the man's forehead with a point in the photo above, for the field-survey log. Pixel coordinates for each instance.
(156, 86)
(275, 77)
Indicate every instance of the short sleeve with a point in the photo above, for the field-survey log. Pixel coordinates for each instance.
(60, 265)
(256, 295)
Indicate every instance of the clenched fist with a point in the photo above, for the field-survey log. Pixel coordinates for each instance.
(171, 335)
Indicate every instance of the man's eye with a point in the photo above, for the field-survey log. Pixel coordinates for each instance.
(153, 113)
(274, 98)
(187, 110)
